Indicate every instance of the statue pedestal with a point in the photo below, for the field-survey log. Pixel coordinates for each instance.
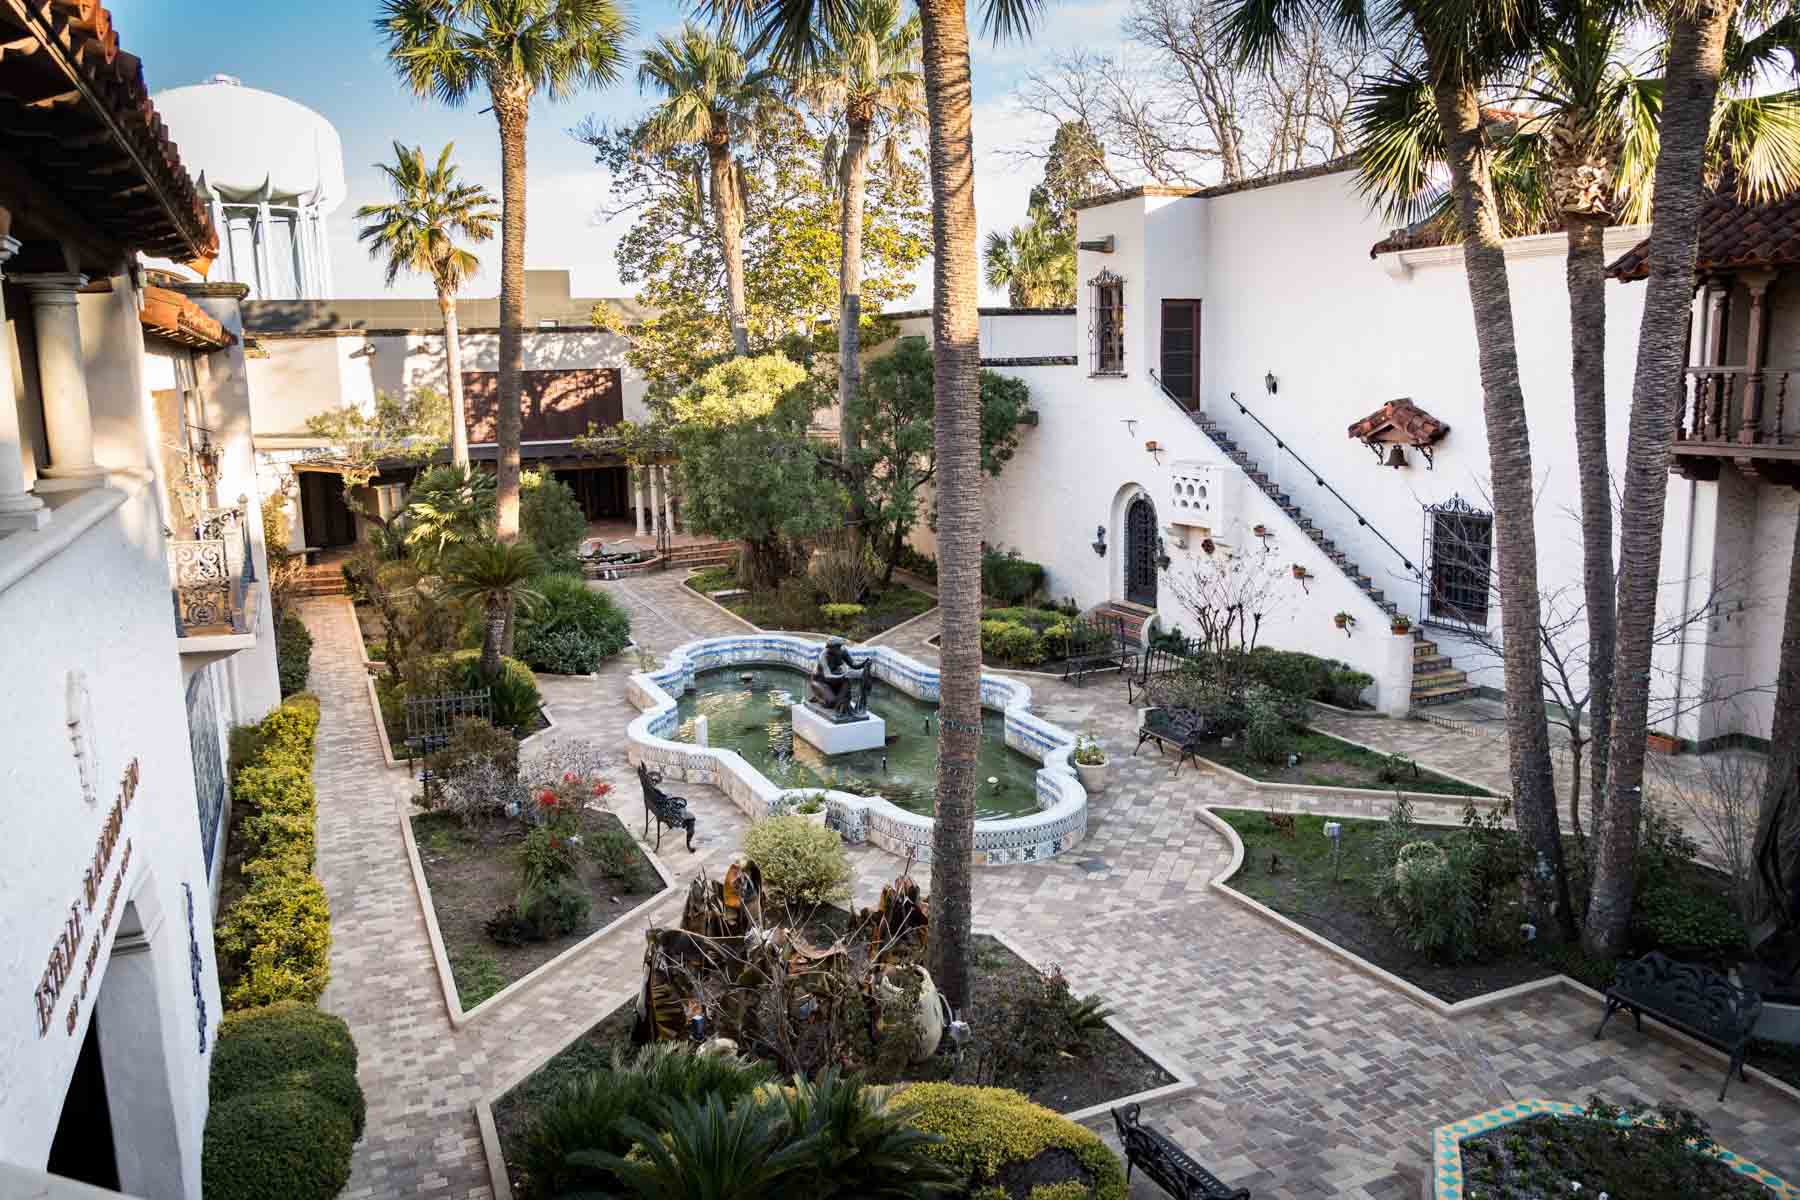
(867, 732)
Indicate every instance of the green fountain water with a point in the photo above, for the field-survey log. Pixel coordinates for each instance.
(746, 710)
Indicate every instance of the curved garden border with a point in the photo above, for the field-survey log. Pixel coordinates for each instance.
(1423, 998)
(1447, 1140)
(1059, 824)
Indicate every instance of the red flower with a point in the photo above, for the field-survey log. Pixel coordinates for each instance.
(602, 788)
(547, 799)
(568, 777)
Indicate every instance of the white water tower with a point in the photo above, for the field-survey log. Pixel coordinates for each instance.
(273, 171)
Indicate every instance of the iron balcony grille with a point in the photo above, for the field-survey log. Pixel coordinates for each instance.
(210, 575)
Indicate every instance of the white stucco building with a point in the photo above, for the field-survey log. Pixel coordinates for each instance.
(1241, 329)
(134, 603)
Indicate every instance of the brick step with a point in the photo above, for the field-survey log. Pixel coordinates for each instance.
(1440, 678)
(1426, 698)
(1425, 664)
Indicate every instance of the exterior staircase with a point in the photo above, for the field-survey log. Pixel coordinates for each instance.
(706, 554)
(322, 578)
(1435, 677)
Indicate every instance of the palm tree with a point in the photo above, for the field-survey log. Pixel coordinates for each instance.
(713, 97)
(1460, 47)
(870, 73)
(419, 231)
(512, 49)
(793, 30)
(497, 576)
(1034, 262)
(1580, 157)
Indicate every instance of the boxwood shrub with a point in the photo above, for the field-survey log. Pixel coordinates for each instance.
(515, 694)
(1006, 1145)
(274, 941)
(286, 1142)
(287, 1045)
(293, 655)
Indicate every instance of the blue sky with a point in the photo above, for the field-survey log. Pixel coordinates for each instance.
(327, 55)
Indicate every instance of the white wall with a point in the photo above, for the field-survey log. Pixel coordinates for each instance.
(307, 376)
(100, 605)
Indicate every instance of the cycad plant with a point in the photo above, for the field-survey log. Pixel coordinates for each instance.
(424, 229)
(868, 75)
(511, 50)
(712, 97)
(497, 576)
(862, 1146)
(709, 1149)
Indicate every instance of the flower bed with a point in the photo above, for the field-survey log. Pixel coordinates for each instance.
(1534, 1149)
(1327, 761)
(799, 611)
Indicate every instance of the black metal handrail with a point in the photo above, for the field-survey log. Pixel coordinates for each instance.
(1281, 444)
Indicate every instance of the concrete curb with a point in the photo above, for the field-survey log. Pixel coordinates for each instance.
(1503, 998)
(912, 620)
(1335, 793)
(694, 591)
(440, 956)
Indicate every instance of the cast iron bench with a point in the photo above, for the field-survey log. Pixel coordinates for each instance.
(1694, 999)
(1173, 1169)
(431, 720)
(669, 811)
(1096, 645)
(1173, 729)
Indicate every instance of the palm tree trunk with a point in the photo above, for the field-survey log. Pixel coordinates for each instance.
(856, 183)
(1509, 457)
(511, 108)
(459, 428)
(956, 360)
(1690, 88)
(499, 612)
(730, 215)
(1778, 819)
(1586, 272)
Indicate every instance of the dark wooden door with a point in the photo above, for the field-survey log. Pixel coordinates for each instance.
(324, 515)
(1140, 552)
(1180, 368)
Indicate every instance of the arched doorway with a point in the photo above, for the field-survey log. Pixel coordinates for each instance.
(1140, 552)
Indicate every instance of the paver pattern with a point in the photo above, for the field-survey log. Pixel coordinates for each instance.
(1313, 1080)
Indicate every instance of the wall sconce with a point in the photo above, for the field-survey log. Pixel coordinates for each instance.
(206, 457)
(1208, 545)
(1100, 540)
(1162, 555)
(1270, 382)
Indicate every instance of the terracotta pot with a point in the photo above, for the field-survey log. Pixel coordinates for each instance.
(1340, 620)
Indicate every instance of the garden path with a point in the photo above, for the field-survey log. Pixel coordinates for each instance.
(1313, 1080)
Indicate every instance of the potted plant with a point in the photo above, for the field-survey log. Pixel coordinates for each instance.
(1299, 571)
(1260, 530)
(1658, 742)
(812, 807)
(1400, 623)
(1090, 763)
(1343, 621)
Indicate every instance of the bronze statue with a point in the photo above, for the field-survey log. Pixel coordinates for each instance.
(840, 684)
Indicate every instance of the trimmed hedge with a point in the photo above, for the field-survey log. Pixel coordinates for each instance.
(293, 655)
(287, 1142)
(1004, 1143)
(276, 937)
(1009, 578)
(287, 1045)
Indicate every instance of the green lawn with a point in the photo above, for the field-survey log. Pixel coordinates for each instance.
(1327, 762)
(893, 604)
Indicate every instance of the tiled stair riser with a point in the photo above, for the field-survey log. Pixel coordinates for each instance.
(1447, 1140)
(1059, 824)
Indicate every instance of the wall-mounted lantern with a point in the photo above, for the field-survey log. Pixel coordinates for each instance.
(1162, 555)
(1100, 540)
(1270, 382)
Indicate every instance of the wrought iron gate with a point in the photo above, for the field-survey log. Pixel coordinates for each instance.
(1459, 551)
(1140, 552)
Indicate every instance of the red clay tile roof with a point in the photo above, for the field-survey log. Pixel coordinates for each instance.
(1732, 235)
(173, 317)
(1399, 421)
(78, 119)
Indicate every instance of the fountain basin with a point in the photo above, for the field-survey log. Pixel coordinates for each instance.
(1058, 824)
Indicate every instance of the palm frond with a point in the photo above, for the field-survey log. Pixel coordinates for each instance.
(1758, 140)
(1399, 144)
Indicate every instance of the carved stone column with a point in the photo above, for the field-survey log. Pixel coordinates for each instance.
(655, 504)
(19, 509)
(668, 482)
(62, 378)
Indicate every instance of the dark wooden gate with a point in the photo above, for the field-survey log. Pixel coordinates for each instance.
(1140, 552)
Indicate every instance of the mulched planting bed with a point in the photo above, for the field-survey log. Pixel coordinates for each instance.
(472, 872)
(1540, 1157)
(886, 608)
(1111, 1069)
(1326, 761)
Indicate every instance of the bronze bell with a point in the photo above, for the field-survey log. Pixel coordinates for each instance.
(1396, 457)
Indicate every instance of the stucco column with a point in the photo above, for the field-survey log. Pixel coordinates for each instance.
(637, 497)
(656, 504)
(19, 509)
(62, 378)
(668, 482)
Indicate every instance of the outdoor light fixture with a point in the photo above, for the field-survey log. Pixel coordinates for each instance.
(206, 458)
(1270, 382)
(1162, 555)
(1100, 540)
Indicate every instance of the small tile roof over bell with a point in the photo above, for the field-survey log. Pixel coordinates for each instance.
(1732, 236)
(1399, 422)
(175, 318)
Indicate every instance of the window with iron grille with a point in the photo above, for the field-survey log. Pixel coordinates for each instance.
(1460, 539)
(1106, 296)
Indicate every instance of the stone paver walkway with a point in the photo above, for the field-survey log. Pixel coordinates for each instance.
(1312, 1079)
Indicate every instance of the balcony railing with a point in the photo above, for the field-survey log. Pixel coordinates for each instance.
(210, 575)
(1739, 406)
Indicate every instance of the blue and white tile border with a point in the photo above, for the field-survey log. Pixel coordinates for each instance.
(1447, 1140)
(1059, 824)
